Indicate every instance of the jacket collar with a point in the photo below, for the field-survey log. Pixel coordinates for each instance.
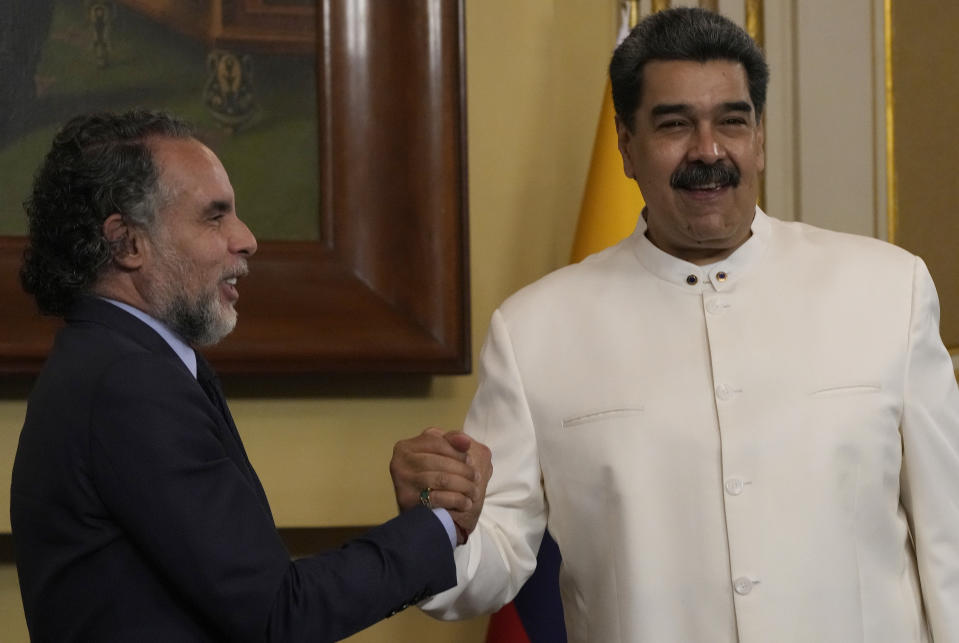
(719, 276)
(93, 310)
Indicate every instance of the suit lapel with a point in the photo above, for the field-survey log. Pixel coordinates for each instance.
(229, 436)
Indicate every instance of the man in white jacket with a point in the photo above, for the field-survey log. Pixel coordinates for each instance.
(736, 429)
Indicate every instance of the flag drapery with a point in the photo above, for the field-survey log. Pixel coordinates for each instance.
(536, 614)
(611, 202)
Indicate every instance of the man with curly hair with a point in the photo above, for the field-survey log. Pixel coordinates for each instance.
(136, 514)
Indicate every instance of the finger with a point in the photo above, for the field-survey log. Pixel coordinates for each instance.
(450, 500)
(441, 482)
(459, 441)
(482, 458)
(465, 519)
(430, 441)
(415, 464)
(411, 496)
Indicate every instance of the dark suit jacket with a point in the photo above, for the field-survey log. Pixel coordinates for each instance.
(136, 516)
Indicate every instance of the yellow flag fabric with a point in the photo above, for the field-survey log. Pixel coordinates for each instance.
(611, 202)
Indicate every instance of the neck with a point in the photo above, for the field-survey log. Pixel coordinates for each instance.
(699, 256)
(119, 288)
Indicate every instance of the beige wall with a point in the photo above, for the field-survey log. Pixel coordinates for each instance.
(535, 81)
(926, 121)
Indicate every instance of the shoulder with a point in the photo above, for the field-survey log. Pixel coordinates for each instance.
(95, 369)
(571, 287)
(817, 257)
(87, 353)
(794, 236)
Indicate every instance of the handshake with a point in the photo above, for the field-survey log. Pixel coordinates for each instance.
(443, 470)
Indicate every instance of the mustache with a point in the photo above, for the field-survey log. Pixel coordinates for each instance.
(698, 174)
(239, 270)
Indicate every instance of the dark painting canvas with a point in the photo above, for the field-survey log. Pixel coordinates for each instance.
(242, 72)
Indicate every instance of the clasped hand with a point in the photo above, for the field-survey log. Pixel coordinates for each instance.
(456, 469)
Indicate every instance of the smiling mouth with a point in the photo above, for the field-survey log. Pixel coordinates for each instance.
(240, 270)
(229, 285)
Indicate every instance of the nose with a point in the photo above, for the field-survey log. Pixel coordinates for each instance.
(705, 147)
(242, 240)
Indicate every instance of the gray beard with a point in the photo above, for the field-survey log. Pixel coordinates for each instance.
(198, 322)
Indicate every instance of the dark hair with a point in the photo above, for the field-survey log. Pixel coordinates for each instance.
(683, 34)
(99, 164)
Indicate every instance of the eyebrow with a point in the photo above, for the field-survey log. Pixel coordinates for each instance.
(684, 108)
(218, 206)
(738, 106)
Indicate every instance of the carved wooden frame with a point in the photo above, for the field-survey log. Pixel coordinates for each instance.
(386, 288)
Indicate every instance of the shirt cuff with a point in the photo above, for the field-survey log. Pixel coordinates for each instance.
(447, 521)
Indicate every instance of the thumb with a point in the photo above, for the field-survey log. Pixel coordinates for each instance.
(459, 441)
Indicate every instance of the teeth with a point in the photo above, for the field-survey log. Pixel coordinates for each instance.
(231, 281)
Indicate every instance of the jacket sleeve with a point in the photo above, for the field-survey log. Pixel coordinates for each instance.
(930, 471)
(164, 475)
(501, 554)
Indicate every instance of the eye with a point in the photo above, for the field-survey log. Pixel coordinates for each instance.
(735, 120)
(674, 123)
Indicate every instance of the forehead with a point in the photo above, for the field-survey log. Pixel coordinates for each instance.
(180, 157)
(188, 168)
(697, 84)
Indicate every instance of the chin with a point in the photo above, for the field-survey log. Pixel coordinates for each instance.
(711, 235)
(225, 323)
(218, 326)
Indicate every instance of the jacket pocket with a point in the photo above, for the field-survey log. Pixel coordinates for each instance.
(850, 389)
(600, 416)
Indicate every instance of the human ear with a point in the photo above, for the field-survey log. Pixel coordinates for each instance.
(126, 241)
(761, 145)
(623, 138)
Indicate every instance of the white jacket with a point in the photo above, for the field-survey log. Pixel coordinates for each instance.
(769, 454)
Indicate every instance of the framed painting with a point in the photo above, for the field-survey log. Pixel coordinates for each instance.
(360, 207)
